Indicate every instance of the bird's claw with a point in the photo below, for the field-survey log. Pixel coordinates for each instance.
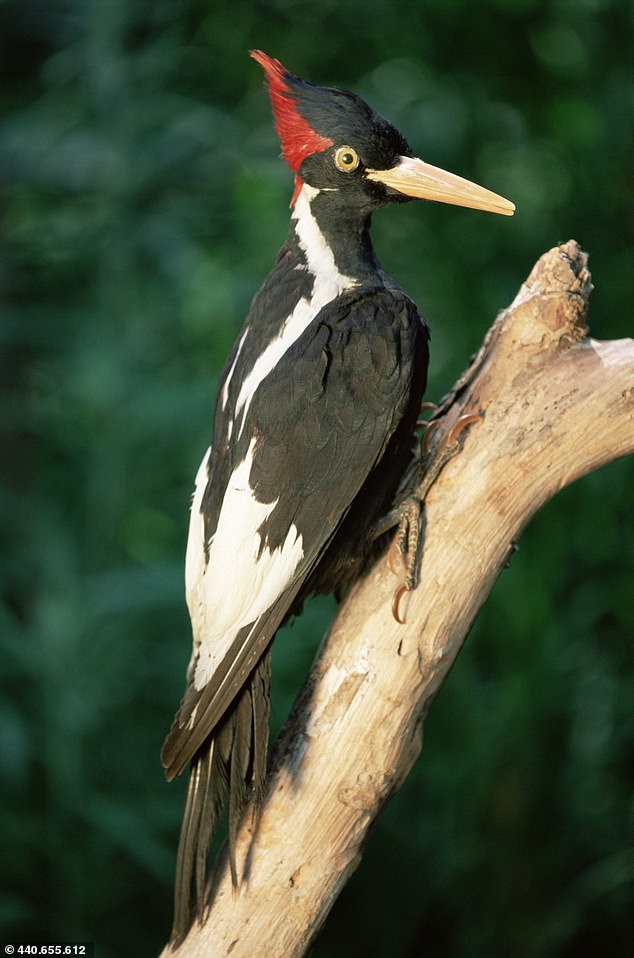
(452, 436)
(404, 553)
(396, 602)
(403, 557)
(426, 407)
(461, 424)
(431, 428)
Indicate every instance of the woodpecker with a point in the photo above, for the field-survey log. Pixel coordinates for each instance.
(312, 430)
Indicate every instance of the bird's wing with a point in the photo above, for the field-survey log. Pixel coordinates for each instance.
(317, 426)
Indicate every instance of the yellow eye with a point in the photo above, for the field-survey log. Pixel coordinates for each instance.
(346, 159)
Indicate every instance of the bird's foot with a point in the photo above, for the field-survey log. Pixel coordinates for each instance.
(405, 552)
(403, 557)
(434, 463)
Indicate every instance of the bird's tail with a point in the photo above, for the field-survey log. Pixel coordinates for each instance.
(233, 761)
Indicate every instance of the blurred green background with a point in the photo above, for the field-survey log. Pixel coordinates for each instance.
(143, 201)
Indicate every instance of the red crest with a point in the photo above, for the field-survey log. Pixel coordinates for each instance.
(297, 136)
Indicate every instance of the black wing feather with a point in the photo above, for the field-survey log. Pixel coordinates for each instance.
(354, 377)
(338, 409)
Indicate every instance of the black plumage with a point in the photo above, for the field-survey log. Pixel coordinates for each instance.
(313, 428)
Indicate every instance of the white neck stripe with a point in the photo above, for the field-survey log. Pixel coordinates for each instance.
(328, 284)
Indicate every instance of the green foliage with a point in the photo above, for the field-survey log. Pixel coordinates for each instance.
(143, 202)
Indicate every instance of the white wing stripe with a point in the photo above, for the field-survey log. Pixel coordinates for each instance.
(195, 554)
(225, 389)
(237, 584)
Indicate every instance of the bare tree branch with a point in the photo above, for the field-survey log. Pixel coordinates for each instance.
(554, 406)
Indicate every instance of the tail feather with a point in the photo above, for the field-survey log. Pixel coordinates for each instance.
(232, 760)
(261, 701)
(210, 798)
(206, 791)
(242, 727)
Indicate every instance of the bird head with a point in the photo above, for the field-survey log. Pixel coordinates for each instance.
(332, 140)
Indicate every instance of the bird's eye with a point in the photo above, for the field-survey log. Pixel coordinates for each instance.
(346, 159)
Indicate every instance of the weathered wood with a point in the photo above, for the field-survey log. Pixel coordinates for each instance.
(554, 406)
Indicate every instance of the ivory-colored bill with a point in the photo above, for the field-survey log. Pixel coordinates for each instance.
(420, 180)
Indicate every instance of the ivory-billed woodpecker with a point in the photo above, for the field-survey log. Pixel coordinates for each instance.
(312, 430)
